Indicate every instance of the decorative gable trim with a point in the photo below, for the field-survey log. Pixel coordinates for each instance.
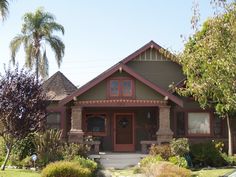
(112, 70)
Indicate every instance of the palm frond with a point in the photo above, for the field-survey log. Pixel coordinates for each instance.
(4, 9)
(57, 46)
(29, 56)
(15, 45)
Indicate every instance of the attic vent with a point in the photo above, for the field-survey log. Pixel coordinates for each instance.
(150, 55)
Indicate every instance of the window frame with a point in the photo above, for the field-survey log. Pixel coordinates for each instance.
(186, 119)
(121, 94)
(60, 123)
(85, 124)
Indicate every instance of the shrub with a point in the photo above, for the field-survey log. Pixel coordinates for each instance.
(48, 146)
(180, 146)
(164, 169)
(25, 147)
(149, 160)
(180, 161)
(27, 162)
(206, 154)
(65, 169)
(163, 150)
(71, 150)
(2, 150)
(86, 163)
(231, 160)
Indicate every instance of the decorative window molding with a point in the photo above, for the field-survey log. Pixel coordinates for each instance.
(120, 88)
(53, 120)
(95, 124)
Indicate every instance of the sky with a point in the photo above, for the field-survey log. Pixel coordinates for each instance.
(100, 33)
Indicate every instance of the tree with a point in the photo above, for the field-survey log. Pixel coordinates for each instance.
(4, 9)
(209, 63)
(22, 107)
(36, 32)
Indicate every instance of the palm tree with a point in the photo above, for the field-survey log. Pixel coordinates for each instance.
(3, 9)
(36, 33)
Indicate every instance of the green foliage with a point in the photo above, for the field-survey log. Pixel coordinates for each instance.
(180, 161)
(163, 150)
(86, 163)
(164, 169)
(25, 147)
(72, 149)
(150, 160)
(38, 29)
(27, 162)
(2, 150)
(231, 160)
(179, 146)
(48, 146)
(206, 154)
(65, 169)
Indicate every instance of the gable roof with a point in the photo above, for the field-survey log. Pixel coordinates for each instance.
(127, 69)
(57, 87)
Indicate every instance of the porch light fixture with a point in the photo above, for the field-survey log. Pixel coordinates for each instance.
(75, 98)
(166, 98)
(120, 69)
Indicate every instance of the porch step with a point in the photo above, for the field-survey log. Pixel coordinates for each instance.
(120, 160)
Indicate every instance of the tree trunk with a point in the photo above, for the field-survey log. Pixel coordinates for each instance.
(6, 158)
(230, 150)
(37, 68)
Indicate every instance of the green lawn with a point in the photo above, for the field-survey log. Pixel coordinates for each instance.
(212, 173)
(199, 173)
(18, 173)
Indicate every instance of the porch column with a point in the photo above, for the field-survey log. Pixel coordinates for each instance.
(76, 133)
(164, 133)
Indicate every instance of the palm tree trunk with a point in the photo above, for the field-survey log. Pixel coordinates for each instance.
(6, 158)
(37, 68)
(230, 150)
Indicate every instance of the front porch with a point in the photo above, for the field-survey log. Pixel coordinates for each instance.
(121, 127)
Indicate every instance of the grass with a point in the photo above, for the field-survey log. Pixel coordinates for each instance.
(212, 173)
(199, 173)
(18, 173)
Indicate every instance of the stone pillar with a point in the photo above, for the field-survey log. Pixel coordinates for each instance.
(76, 133)
(164, 133)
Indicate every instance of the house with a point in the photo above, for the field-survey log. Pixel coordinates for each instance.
(58, 87)
(131, 103)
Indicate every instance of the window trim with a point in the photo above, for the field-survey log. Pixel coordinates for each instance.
(94, 133)
(211, 134)
(120, 88)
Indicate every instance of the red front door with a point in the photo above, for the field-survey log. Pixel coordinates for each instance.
(124, 132)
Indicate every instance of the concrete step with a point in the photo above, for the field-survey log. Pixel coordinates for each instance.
(119, 160)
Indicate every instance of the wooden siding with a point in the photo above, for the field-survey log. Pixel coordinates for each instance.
(161, 72)
(150, 55)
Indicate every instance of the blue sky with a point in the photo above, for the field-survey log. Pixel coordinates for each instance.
(99, 33)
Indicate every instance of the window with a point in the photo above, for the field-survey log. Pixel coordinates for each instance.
(96, 124)
(54, 120)
(198, 123)
(121, 88)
